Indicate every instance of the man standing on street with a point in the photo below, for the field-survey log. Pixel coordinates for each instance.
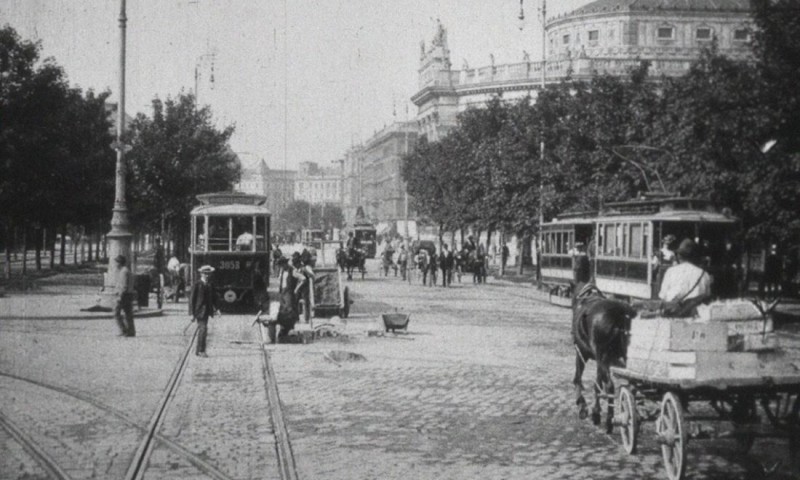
(124, 292)
(504, 253)
(202, 304)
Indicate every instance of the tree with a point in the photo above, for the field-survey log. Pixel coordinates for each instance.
(176, 155)
(53, 145)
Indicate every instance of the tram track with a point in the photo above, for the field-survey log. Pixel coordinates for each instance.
(39, 455)
(283, 446)
(137, 467)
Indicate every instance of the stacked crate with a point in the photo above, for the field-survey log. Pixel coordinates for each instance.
(728, 339)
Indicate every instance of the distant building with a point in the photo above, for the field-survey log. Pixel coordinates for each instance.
(318, 185)
(276, 185)
(605, 36)
(373, 175)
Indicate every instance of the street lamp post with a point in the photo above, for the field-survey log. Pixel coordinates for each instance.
(119, 238)
(541, 143)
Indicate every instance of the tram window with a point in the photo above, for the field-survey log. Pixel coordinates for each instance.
(623, 249)
(219, 236)
(635, 246)
(200, 236)
(610, 239)
(243, 234)
(261, 234)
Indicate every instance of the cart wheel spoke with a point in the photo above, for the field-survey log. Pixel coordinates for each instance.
(673, 436)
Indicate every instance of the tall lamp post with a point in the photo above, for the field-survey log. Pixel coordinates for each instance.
(119, 238)
(541, 141)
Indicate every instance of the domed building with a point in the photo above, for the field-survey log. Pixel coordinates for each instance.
(604, 36)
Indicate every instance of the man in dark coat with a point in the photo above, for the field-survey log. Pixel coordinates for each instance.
(290, 281)
(202, 304)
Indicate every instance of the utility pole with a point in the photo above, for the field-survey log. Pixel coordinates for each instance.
(119, 238)
(541, 143)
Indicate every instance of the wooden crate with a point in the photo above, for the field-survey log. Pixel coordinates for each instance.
(662, 334)
(696, 365)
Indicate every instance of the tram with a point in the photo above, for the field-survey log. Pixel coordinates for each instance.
(624, 237)
(366, 234)
(231, 232)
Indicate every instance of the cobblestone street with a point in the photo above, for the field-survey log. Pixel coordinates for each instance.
(479, 387)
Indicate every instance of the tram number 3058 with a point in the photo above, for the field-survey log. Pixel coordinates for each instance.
(230, 265)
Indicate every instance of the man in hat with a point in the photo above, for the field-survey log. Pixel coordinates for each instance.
(124, 293)
(202, 304)
(686, 281)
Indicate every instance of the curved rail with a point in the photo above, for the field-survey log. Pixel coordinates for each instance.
(198, 462)
(42, 458)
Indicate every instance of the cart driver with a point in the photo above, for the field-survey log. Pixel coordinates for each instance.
(686, 281)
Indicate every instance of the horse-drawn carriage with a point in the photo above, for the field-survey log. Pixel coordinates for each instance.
(723, 364)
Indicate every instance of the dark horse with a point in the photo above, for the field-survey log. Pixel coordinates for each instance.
(600, 328)
(356, 258)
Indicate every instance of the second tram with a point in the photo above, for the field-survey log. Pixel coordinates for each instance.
(231, 232)
(366, 234)
(623, 240)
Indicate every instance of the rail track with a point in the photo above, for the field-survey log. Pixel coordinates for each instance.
(137, 467)
(57, 468)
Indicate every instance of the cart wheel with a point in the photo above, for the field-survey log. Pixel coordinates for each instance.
(671, 429)
(744, 413)
(628, 419)
(344, 312)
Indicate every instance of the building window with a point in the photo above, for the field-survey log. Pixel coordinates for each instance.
(565, 39)
(665, 33)
(741, 35)
(703, 34)
(594, 35)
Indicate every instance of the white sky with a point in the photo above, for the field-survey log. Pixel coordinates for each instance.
(302, 80)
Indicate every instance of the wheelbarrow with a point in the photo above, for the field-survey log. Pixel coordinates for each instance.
(396, 321)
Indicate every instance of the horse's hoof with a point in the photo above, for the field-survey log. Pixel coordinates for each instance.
(596, 418)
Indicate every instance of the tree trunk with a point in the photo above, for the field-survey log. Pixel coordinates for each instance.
(38, 249)
(52, 246)
(453, 240)
(441, 234)
(521, 252)
(75, 247)
(7, 248)
(63, 252)
(24, 252)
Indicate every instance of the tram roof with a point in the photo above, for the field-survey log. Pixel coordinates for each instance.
(650, 207)
(229, 210)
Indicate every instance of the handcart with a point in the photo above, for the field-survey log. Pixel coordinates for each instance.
(330, 297)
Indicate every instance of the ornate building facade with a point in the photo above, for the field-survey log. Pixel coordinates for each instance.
(602, 37)
(318, 185)
(372, 175)
(276, 185)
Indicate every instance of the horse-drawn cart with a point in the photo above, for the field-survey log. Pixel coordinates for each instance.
(330, 297)
(724, 367)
